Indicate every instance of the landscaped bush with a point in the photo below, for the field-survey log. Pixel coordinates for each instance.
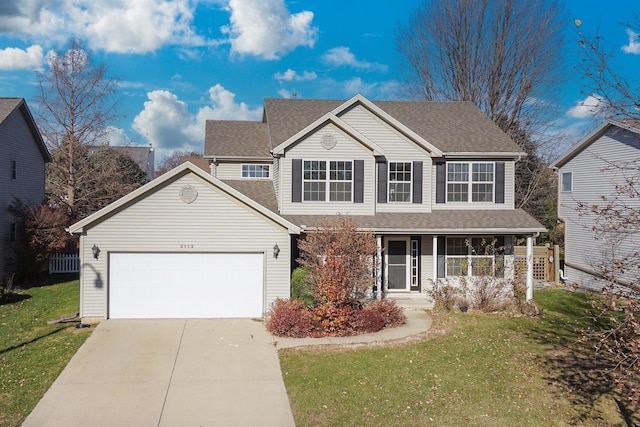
(488, 294)
(301, 288)
(367, 321)
(392, 314)
(445, 296)
(335, 321)
(290, 318)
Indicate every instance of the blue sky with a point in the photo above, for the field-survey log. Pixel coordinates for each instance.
(182, 62)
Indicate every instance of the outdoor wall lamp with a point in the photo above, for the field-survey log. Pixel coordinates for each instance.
(276, 251)
(96, 251)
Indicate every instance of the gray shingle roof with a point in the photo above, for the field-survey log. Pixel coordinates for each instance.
(452, 127)
(441, 221)
(260, 191)
(7, 105)
(235, 138)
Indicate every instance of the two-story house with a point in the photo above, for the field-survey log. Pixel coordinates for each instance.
(597, 172)
(433, 181)
(23, 155)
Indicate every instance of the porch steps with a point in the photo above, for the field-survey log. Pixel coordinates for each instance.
(411, 301)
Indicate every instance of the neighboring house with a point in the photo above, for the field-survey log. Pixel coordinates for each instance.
(589, 174)
(432, 180)
(23, 155)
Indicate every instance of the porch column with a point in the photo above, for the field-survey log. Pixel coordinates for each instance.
(435, 260)
(379, 266)
(529, 268)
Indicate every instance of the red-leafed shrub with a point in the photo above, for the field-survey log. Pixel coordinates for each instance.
(290, 318)
(367, 321)
(334, 321)
(392, 314)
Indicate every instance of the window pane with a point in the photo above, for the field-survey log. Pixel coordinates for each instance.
(482, 266)
(482, 172)
(457, 246)
(400, 182)
(457, 192)
(457, 172)
(314, 191)
(340, 191)
(566, 181)
(482, 193)
(456, 266)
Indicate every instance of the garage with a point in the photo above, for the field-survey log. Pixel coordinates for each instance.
(185, 285)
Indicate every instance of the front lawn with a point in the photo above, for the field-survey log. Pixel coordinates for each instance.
(33, 353)
(486, 370)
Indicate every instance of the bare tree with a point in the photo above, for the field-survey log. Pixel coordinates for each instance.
(174, 160)
(76, 109)
(503, 55)
(618, 95)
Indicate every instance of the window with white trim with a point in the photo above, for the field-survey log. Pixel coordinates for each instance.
(567, 182)
(399, 181)
(470, 181)
(255, 171)
(335, 186)
(475, 256)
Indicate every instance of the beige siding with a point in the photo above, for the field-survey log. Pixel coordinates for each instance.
(17, 143)
(275, 176)
(509, 187)
(397, 148)
(161, 222)
(594, 177)
(311, 149)
(229, 171)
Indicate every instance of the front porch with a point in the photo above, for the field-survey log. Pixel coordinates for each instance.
(411, 265)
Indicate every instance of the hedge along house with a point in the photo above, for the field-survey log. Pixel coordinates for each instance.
(433, 181)
(184, 245)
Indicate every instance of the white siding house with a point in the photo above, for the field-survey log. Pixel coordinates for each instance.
(589, 175)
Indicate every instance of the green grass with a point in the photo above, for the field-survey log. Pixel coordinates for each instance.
(486, 370)
(33, 353)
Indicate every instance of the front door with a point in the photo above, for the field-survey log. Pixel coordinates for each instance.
(397, 265)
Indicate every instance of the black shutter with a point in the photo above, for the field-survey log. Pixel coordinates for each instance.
(441, 182)
(382, 181)
(417, 182)
(358, 181)
(442, 265)
(499, 182)
(296, 180)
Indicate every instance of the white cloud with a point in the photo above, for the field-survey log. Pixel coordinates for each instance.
(591, 106)
(634, 43)
(342, 56)
(13, 58)
(291, 75)
(120, 26)
(167, 124)
(117, 137)
(266, 28)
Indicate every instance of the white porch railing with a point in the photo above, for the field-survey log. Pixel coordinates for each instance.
(64, 263)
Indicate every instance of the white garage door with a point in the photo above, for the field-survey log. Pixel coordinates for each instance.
(164, 285)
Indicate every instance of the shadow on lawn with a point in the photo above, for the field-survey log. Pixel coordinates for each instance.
(573, 364)
(31, 341)
(12, 298)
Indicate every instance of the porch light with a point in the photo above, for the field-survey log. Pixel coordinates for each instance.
(96, 251)
(276, 251)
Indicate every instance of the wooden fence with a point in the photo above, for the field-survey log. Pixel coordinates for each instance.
(543, 268)
(64, 263)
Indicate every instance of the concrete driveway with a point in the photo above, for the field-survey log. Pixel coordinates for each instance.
(193, 372)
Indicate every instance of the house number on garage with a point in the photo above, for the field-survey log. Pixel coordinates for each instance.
(186, 246)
